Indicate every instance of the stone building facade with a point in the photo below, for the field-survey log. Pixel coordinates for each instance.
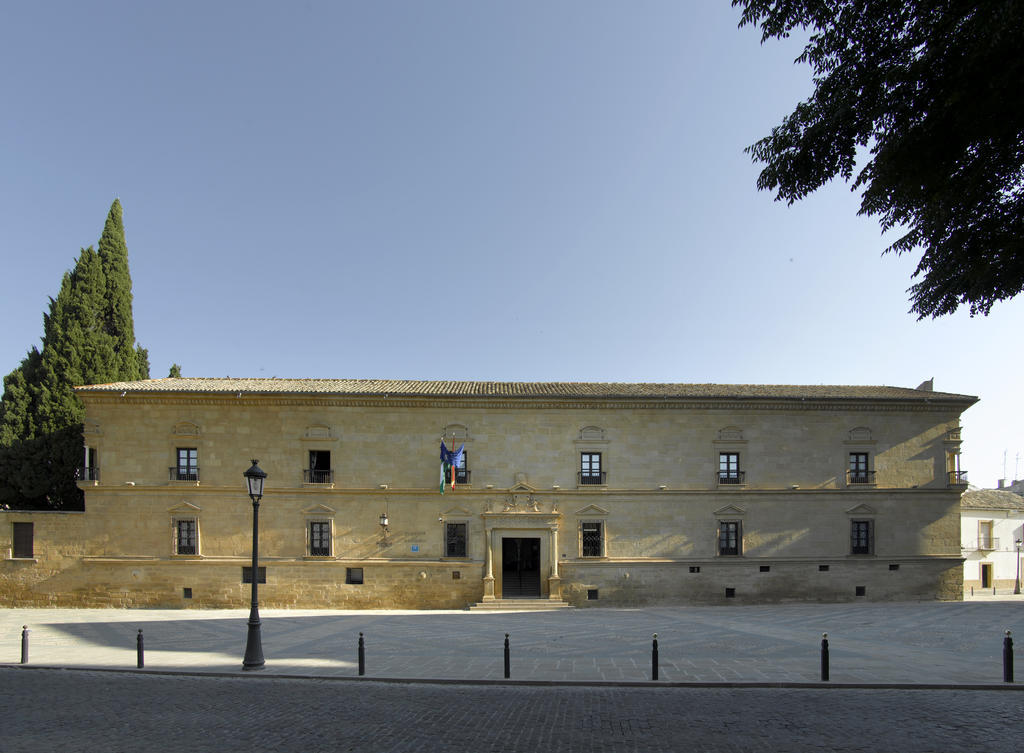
(592, 494)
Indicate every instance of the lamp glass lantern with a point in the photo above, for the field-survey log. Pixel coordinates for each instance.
(254, 478)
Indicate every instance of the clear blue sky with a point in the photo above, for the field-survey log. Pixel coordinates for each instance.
(458, 190)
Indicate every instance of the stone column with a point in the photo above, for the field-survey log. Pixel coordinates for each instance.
(488, 559)
(554, 582)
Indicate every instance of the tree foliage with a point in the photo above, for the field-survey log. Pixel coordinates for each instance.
(88, 338)
(920, 103)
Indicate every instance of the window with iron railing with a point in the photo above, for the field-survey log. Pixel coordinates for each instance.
(729, 468)
(87, 473)
(319, 538)
(187, 468)
(186, 537)
(592, 538)
(730, 542)
(455, 539)
(461, 470)
(859, 472)
(590, 469)
(862, 537)
(319, 470)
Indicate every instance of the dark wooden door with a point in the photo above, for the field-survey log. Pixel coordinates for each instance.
(520, 568)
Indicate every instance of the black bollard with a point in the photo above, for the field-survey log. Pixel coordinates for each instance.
(654, 658)
(362, 656)
(508, 666)
(140, 657)
(824, 657)
(24, 644)
(1007, 658)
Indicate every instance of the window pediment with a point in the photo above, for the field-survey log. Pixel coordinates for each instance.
(456, 512)
(591, 510)
(184, 508)
(730, 511)
(323, 510)
(861, 510)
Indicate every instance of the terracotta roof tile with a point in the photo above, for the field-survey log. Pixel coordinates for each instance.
(396, 387)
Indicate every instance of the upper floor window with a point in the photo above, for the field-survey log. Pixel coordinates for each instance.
(319, 538)
(862, 537)
(319, 471)
(91, 470)
(187, 468)
(858, 472)
(186, 536)
(730, 540)
(22, 534)
(592, 538)
(729, 468)
(590, 468)
(455, 539)
(461, 470)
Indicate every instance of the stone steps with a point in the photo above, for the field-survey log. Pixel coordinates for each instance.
(519, 605)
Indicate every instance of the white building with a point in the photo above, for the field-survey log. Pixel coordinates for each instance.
(991, 527)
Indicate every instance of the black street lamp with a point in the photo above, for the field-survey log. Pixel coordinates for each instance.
(254, 477)
(1016, 583)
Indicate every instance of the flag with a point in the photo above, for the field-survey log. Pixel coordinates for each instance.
(449, 462)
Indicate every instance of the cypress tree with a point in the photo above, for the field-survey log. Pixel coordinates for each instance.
(88, 338)
(132, 362)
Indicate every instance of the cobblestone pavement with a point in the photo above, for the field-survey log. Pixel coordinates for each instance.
(938, 643)
(109, 712)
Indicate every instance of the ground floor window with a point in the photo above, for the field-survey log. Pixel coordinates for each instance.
(23, 536)
(861, 537)
(186, 536)
(319, 538)
(455, 540)
(729, 540)
(592, 538)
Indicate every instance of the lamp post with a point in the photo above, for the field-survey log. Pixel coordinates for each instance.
(1016, 583)
(254, 477)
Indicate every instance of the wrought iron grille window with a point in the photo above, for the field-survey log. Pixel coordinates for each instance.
(188, 465)
(455, 540)
(592, 538)
(354, 575)
(729, 537)
(23, 536)
(319, 538)
(590, 468)
(861, 537)
(186, 538)
(729, 468)
(859, 473)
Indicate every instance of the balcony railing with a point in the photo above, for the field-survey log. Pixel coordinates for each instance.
(462, 476)
(988, 543)
(184, 472)
(859, 477)
(310, 476)
(731, 477)
(592, 478)
(958, 478)
(87, 473)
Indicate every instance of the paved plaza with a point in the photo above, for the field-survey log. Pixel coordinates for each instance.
(873, 643)
(580, 680)
(109, 712)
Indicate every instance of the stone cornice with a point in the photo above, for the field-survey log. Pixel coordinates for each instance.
(530, 403)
